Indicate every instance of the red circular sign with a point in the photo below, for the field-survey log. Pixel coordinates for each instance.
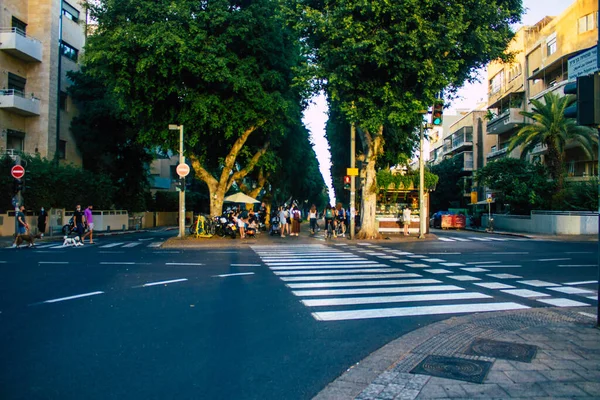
(183, 170)
(17, 172)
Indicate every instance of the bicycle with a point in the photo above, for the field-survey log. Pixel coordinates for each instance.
(329, 229)
(203, 227)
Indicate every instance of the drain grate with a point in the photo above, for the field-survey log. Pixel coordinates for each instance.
(453, 368)
(502, 350)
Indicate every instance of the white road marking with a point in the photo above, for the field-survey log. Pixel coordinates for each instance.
(72, 297)
(373, 265)
(525, 293)
(393, 299)
(245, 265)
(166, 252)
(122, 263)
(417, 256)
(107, 246)
(571, 290)
(403, 261)
(164, 282)
(183, 263)
(580, 283)
(405, 289)
(433, 260)
(483, 262)
(459, 239)
(444, 253)
(464, 278)
(155, 244)
(238, 274)
(336, 262)
(53, 262)
(499, 266)
(578, 266)
(132, 244)
(511, 252)
(402, 253)
(347, 277)
(505, 276)
(453, 264)
(499, 239)
(494, 285)
(438, 271)
(480, 239)
(357, 284)
(319, 259)
(445, 239)
(475, 269)
(563, 302)
(323, 272)
(538, 283)
(414, 311)
(592, 297)
(585, 314)
(551, 259)
(417, 265)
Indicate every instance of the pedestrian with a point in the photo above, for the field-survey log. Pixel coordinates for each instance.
(406, 220)
(42, 221)
(89, 218)
(328, 214)
(312, 216)
(79, 220)
(22, 226)
(282, 221)
(340, 214)
(296, 215)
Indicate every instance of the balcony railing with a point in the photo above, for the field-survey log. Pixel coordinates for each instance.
(539, 148)
(467, 160)
(15, 42)
(459, 139)
(496, 153)
(17, 102)
(506, 121)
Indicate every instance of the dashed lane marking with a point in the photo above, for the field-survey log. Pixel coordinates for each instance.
(78, 296)
(164, 282)
(238, 274)
(191, 264)
(581, 283)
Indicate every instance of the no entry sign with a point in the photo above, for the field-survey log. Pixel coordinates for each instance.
(17, 172)
(183, 170)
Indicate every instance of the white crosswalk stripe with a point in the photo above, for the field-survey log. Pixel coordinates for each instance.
(480, 239)
(336, 285)
(123, 245)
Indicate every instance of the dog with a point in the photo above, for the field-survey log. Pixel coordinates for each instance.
(26, 238)
(74, 241)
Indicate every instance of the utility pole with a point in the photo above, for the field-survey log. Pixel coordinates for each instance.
(422, 225)
(182, 189)
(353, 179)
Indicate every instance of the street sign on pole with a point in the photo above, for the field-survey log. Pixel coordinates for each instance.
(182, 170)
(17, 172)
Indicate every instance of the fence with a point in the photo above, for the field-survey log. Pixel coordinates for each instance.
(547, 222)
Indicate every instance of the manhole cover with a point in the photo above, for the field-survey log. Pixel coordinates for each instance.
(453, 368)
(503, 350)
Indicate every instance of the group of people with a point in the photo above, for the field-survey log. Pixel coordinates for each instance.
(289, 219)
(335, 216)
(246, 221)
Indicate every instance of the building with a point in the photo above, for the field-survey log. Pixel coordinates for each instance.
(40, 40)
(540, 66)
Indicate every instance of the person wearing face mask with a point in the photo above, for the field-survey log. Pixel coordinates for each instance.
(79, 220)
(42, 221)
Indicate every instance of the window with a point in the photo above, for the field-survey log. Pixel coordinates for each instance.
(62, 149)
(551, 44)
(496, 82)
(14, 140)
(19, 25)
(70, 12)
(586, 23)
(63, 101)
(69, 51)
(16, 82)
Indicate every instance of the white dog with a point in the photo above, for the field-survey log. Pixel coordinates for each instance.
(72, 241)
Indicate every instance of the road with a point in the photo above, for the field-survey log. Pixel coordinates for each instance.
(125, 318)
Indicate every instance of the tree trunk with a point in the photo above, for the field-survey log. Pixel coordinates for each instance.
(373, 147)
(216, 200)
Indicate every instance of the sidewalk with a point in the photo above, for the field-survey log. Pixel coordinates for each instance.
(566, 359)
(562, 238)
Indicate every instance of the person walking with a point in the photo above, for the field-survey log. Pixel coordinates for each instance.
(296, 215)
(406, 220)
(22, 226)
(328, 215)
(312, 216)
(282, 221)
(89, 218)
(79, 220)
(42, 221)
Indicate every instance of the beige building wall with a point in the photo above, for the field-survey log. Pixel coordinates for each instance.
(39, 131)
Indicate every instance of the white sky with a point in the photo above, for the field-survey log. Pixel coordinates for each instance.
(315, 116)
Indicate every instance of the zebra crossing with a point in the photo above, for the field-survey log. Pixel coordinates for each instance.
(481, 239)
(337, 285)
(99, 245)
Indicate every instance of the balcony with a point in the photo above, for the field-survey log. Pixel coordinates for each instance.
(16, 43)
(539, 148)
(15, 101)
(459, 140)
(496, 153)
(507, 121)
(467, 160)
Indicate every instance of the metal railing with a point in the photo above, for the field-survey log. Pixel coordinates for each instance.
(18, 93)
(18, 32)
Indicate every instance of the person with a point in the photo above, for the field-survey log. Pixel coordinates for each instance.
(262, 213)
(282, 221)
(341, 217)
(328, 213)
(22, 226)
(406, 220)
(312, 216)
(241, 226)
(79, 220)
(42, 221)
(295, 215)
(89, 218)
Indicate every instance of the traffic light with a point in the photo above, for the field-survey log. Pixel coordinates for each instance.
(180, 184)
(17, 185)
(586, 108)
(437, 115)
(347, 182)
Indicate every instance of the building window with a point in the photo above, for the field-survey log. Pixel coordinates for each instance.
(16, 83)
(70, 12)
(69, 51)
(20, 26)
(14, 140)
(62, 149)
(586, 23)
(551, 44)
(63, 101)
(496, 82)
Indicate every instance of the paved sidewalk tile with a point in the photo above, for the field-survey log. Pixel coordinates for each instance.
(523, 390)
(563, 389)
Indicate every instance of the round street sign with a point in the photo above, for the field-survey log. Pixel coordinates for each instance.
(17, 172)
(183, 170)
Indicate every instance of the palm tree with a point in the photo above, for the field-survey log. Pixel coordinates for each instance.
(551, 128)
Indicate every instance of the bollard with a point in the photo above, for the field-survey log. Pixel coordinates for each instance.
(124, 227)
(107, 228)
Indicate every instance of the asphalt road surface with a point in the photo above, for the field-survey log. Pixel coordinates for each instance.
(125, 318)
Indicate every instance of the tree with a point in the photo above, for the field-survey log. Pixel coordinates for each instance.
(524, 186)
(552, 129)
(224, 69)
(448, 189)
(385, 61)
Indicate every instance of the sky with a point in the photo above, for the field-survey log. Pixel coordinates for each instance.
(315, 116)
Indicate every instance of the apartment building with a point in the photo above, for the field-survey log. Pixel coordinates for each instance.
(40, 40)
(540, 65)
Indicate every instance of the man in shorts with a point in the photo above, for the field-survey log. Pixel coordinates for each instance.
(79, 221)
(22, 226)
(89, 217)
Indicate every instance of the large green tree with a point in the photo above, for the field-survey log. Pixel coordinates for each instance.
(551, 129)
(223, 69)
(384, 61)
(449, 190)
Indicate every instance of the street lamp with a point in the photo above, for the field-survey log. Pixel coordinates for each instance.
(174, 127)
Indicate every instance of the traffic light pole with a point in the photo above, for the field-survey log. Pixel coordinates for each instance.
(353, 180)
(182, 191)
(422, 226)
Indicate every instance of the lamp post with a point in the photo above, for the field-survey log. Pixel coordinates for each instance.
(174, 127)
(422, 226)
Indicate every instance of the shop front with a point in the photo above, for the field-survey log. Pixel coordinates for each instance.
(391, 203)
